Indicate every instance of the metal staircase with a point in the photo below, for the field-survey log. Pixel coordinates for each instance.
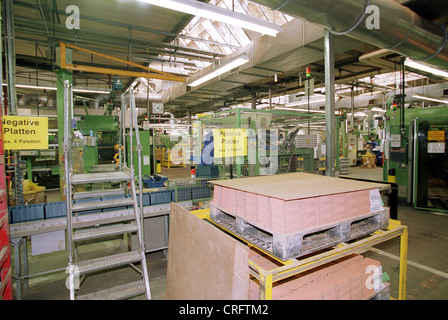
(123, 178)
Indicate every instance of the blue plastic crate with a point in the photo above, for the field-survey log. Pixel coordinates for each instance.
(183, 194)
(200, 192)
(55, 210)
(146, 199)
(26, 213)
(160, 197)
(155, 181)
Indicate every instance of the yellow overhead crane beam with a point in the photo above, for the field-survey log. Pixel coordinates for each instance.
(153, 74)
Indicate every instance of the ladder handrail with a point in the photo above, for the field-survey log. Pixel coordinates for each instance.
(68, 163)
(122, 141)
(68, 106)
(133, 126)
(139, 218)
(139, 157)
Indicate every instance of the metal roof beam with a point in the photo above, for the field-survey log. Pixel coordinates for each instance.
(29, 26)
(130, 26)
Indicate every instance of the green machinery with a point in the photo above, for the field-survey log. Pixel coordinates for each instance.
(100, 134)
(146, 139)
(416, 156)
(97, 136)
(288, 126)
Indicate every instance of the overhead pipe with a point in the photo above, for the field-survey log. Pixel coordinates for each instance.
(401, 30)
(374, 58)
(48, 100)
(172, 120)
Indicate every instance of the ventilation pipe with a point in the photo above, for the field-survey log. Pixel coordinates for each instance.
(139, 100)
(96, 104)
(401, 30)
(172, 120)
(375, 58)
(47, 100)
(143, 99)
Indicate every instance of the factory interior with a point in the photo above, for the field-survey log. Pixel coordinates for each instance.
(216, 150)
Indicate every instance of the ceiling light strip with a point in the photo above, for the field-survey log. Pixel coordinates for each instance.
(26, 86)
(216, 13)
(422, 67)
(234, 63)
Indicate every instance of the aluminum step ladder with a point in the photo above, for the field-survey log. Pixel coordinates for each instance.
(77, 202)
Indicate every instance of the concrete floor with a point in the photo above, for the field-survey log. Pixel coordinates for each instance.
(427, 272)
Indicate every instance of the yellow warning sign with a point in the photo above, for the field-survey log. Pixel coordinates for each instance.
(230, 143)
(25, 133)
(436, 135)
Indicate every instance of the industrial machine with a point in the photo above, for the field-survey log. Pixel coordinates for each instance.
(99, 136)
(147, 152)
(277, 141)
(416, 156)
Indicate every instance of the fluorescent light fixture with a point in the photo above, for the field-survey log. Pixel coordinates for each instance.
(216, 13)
(305, 110)
(234, 63)
(26, 86)
(298, 109)
(434, 99)
(358, 114)
(90, 91)
(304, 102)
(378, 110)
(416, 65)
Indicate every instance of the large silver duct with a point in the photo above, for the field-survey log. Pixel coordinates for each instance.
(401, 30)
(46, 100)
(140, 100)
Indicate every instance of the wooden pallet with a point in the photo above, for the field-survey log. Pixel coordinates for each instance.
(294, 245)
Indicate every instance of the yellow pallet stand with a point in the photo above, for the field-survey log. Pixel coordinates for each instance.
(293, 267)
(174, 159)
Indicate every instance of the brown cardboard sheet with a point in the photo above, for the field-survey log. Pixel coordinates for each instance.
(204, 262)
(292, 186)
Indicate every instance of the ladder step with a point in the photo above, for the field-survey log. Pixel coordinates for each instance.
(125, 291)
(98, 193)
(104, 231)
(92, 205)
(108, 261)
(100, 177)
